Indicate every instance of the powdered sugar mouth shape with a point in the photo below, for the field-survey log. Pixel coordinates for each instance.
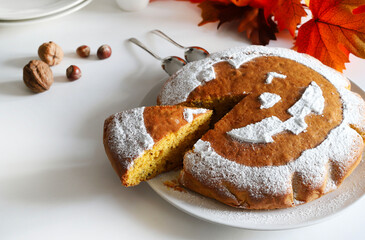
(260, 132)
(312, 100)
(128, 136)
(268, 100)
(189, 113)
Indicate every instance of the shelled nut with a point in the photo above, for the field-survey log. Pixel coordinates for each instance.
(83, 51)
(104, 51)
(73, 73)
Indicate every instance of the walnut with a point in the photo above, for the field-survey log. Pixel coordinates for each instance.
(37, 76)
(50, 53)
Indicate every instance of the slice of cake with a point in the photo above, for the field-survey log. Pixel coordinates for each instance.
(144, 142)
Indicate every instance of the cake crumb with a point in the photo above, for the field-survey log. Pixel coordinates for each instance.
(175, 185)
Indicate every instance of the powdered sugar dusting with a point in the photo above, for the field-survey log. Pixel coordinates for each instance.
(261, 132)
(190, 112)
(128, 136)
(181, 84)
(212, 168)
(206, 75)
(205, 164)
(272, 75)
(340, 146)
(350, 191)
(268, 100)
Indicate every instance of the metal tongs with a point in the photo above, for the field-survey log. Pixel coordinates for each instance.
(172, 64)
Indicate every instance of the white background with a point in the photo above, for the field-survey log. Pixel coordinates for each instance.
(55, 179)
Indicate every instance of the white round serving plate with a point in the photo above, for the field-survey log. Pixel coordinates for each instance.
(56, 15)
(26, 9)
(352, 189)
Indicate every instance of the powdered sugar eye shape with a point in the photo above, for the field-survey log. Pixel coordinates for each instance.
(271, 75)
(268, 100)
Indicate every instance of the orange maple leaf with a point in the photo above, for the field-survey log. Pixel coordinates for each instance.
(287, 13)
(336, 29)
(259, 30)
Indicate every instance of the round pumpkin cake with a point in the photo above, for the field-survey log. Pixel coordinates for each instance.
(287, 128)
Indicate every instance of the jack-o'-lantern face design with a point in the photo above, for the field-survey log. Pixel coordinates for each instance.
(286, 108)
(290, 128)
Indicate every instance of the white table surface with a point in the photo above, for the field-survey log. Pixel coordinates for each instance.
(55, 179)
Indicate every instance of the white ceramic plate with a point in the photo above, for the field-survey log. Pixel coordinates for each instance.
(26, 9)
(56, 15)
(210, 210)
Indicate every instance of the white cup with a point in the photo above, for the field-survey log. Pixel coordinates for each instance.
(132, 5)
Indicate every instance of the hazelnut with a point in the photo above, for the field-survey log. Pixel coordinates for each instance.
(104, 51)
(50, 53)
(73, 73)
(83, 51)
(37, 76)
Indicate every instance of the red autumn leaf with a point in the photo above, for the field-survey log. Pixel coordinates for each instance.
(259, 30)
(200, 1)
(336, 29)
